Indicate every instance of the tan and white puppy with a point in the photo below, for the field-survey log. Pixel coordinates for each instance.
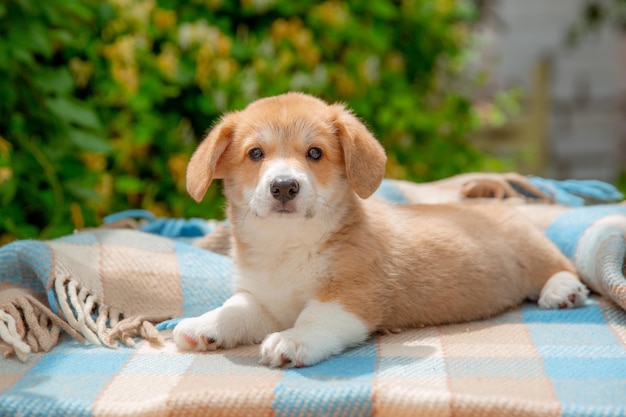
(319, 266)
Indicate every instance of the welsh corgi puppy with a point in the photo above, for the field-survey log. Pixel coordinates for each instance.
(319, 266)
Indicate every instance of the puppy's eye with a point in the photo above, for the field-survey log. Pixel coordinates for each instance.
(256, 154)
(314, 154)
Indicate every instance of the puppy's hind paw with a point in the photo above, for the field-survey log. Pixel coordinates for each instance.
(563, 290)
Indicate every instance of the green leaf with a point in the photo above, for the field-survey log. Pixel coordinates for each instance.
(4, 55)
(383, 9)
(88, 141)
(37, 37)
(127, 184)
(8, 190)
(23, 55)
(73, 111)
(58, 81)
(62, 36)
(81, 192)
(79, 9)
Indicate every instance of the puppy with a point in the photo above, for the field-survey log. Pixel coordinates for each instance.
(319, 266)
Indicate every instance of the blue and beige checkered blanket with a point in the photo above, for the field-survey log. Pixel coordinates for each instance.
(104, 286)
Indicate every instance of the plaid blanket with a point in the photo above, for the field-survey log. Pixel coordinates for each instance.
(109, 285)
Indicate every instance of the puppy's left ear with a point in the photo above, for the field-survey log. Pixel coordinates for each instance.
(364, 156)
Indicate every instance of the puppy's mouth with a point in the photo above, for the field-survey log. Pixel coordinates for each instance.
(284, 208)
(289, 211)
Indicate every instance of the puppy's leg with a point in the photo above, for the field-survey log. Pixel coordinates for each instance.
(322, 329)
(563, 290)
(242, 320)
(552, 277)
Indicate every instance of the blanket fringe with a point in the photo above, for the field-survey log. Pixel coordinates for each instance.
(72, 308)
(126, 329)
(28, 325)
(13, 343)
(99, 324)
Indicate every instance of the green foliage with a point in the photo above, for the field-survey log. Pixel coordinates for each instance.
(43, 125)
(105, 101)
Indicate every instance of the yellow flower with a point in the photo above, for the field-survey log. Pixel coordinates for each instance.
(137, 11)
(122, 50)
(104, 188)
(6, 238)
(345, 85)
(177, 165)
(333, 13)
(123, 61)
(369, 69)
(278, 30)
(81, 70)
(224, 45)
(126, 75)
(197, 33)
(213, 4)
(164, 19)
(5, 147)
(260, 65)
(159, 209)
(394, 168)
(94, 161)
(167, 61)
(6, 173)
(77, 216)
(122, 3)
(258, 5)
(394, 61)
(204, 68)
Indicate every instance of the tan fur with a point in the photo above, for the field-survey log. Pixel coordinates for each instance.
(438, 264)
(392, 266)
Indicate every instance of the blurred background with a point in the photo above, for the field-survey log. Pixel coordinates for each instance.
(102, 102)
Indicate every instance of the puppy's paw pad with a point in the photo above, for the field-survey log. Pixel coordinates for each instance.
(563, 290)
(189, 341)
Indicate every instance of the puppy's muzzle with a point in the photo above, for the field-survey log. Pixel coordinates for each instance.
(284, 188)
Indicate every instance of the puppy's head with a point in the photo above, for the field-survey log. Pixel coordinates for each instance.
(288, 155)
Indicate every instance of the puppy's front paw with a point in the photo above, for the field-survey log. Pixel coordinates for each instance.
(563, 290)
(241, 320)
(289, 349)
(198, 333)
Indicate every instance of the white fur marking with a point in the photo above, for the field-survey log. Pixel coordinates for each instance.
(241, 320)
(563, 290)
(263, 203)
(322, 330)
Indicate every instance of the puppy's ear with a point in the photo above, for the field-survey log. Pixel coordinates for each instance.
(364, 156)
(204, 165)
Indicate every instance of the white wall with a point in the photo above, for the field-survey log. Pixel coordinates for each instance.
(587, 127)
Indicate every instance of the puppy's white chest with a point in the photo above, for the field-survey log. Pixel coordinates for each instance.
(283, 281)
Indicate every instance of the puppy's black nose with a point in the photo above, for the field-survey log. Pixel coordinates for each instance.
(284, 188)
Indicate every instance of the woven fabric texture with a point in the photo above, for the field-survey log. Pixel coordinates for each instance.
(73, 308)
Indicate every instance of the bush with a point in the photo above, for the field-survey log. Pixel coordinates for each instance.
(105, 101)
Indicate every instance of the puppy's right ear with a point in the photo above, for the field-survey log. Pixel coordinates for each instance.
(204, 165)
